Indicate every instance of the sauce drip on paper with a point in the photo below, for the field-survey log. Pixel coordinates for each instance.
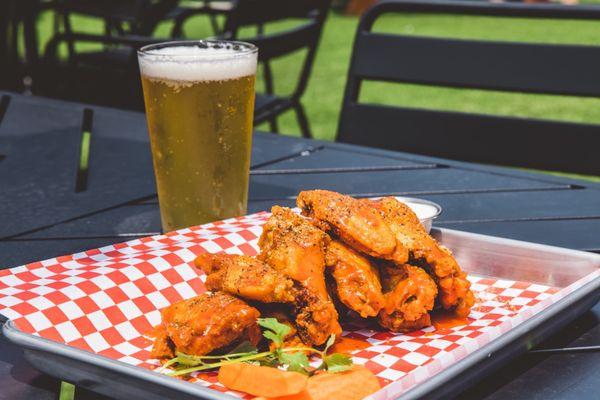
(347, 345)
(446, 320)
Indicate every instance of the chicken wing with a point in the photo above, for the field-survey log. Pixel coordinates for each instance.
(295, 247)
(356, 279)
(409, 294)
(425, 251)
(246, 277)
(354, 222)
(205, 323)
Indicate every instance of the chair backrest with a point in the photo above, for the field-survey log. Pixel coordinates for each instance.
(304, 35)
(475, 64)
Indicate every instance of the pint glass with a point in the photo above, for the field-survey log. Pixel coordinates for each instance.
(199, 98)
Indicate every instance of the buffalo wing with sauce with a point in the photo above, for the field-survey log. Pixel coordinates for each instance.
(296, 248)
(357, 283)
(409, 297)
(205, 323)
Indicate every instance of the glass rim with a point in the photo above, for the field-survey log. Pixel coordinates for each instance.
(241, 49)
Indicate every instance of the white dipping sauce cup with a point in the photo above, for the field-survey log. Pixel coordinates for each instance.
(426, 210)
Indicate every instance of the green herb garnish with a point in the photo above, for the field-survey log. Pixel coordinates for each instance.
(275, 331)
(293, 358)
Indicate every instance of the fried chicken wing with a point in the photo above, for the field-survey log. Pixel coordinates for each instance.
(295, 247)
(354, 222)
(205, 323)
(356, 279)
(425, 251)
(246, 277)
(409, 294)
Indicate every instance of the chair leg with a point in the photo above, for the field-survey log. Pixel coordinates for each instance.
(215, 25)
(273, 125)
(177, 30)
(302, 121)
(56, 23)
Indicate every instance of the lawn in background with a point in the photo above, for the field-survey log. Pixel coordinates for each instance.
(324, 95)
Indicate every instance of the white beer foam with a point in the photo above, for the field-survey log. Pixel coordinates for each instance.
(186, 63)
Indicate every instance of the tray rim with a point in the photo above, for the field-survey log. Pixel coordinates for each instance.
(40, 344)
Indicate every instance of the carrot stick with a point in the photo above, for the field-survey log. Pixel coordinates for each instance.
(303, 395)
(261, 381)
(355, 384)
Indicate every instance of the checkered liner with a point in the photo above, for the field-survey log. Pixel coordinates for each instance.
(106, 300)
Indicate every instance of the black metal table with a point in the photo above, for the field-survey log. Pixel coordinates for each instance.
(50, 204)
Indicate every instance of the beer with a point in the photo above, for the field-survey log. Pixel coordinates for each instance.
(199, 99)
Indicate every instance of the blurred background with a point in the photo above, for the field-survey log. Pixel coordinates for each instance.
(67, 49)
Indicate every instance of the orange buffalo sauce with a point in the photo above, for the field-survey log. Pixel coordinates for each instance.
(348, 345)
(446, 320)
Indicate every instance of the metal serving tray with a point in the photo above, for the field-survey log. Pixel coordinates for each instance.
(478, 254)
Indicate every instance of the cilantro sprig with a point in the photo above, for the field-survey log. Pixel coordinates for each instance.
(291, 358)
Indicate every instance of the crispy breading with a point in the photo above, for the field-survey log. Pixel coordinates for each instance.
(205, 323)
(357, 279)
(296, 248)
(246, 277)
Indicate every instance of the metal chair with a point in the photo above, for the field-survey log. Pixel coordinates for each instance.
(305, 35)
(491, 65)
(108, 76)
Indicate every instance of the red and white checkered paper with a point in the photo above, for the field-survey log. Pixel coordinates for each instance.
(107, 300)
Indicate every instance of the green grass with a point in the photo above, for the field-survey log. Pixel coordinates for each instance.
(67, 391)
(324, 95)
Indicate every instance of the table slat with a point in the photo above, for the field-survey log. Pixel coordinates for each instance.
(580, 234)
(327, 157)
(543, 204)
(400, 182)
